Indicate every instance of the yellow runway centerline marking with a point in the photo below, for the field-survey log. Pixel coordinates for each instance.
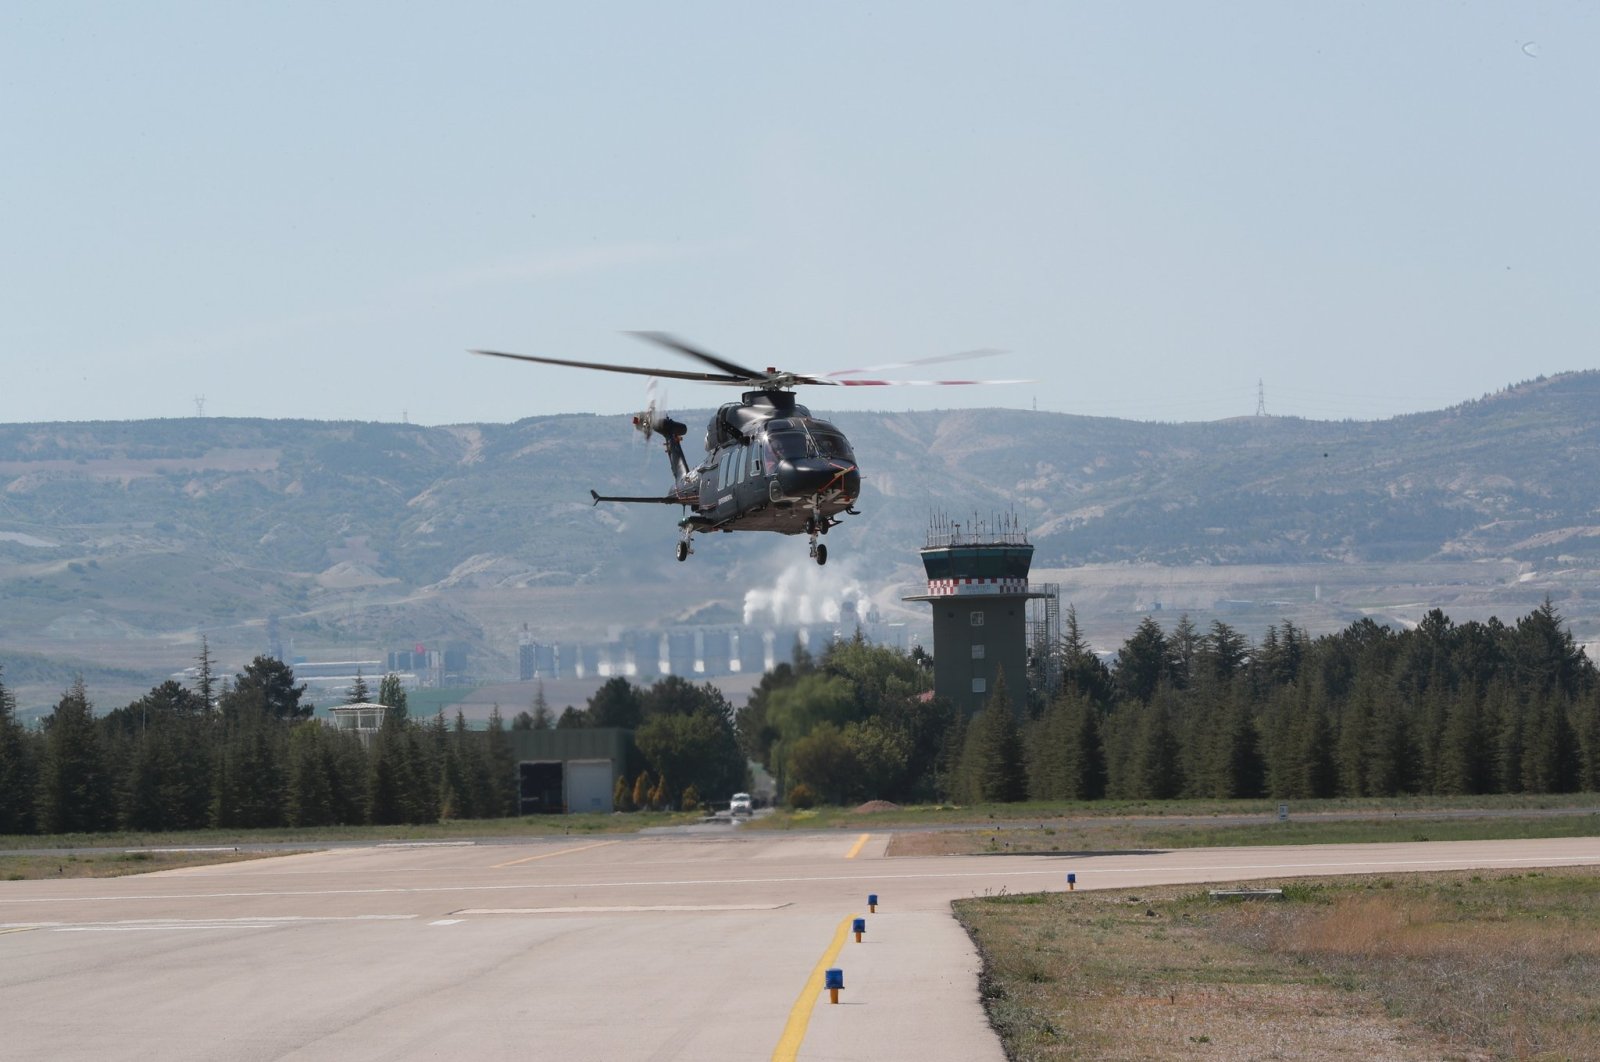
(552, 855)
(794, 1033)
(856, 849)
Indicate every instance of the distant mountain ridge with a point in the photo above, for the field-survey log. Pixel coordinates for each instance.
(174, 525)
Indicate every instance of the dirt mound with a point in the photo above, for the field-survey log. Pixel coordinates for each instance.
(876, 805)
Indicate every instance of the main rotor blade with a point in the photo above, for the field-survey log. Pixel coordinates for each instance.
(852, 382)
(676, 374)
(674, 343)
(965, 355)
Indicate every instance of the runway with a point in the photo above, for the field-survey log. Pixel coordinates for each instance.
(699, 947)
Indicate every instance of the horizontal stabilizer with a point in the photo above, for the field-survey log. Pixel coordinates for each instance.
(668, 500)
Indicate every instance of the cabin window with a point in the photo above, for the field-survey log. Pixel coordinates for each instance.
(755, 459)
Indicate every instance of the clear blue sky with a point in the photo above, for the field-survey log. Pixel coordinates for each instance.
(313, 209)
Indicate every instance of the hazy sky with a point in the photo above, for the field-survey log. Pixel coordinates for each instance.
(313, 209)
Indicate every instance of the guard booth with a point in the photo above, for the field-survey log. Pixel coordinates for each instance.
(363, 719)
(565, 771)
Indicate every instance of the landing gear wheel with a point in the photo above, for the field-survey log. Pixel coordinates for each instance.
(683, 551)
(822, 553)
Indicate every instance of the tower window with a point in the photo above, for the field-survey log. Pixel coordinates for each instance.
(980, 685)
(977, 617)
(977, 652)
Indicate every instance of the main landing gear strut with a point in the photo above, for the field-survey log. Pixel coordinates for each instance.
(815, 526)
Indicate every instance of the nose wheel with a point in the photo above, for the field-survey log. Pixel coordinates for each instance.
(684, 549)
(819, 550)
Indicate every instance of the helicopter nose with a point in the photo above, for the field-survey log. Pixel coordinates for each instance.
(812, 475)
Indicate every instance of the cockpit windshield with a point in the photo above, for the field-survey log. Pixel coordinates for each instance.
(832, 443)
(797, 439)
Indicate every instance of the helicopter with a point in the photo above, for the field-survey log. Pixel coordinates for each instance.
(769, 465)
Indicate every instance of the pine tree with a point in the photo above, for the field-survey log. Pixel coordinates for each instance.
(359, 693)
(993, 762)
(205, 681)
(309, 797)
(1143, 662)
(1461, 768)
(641, 791)
(392, 695)
(18, 769)
(75, 784)
(455, 777)
(1066, 759)
(1159, 774)
(1183, 653)
(267, 684)
(502, 767)
(1081, 669)
(251, 768)
(1238, 769)
(543, 717)
(1586, 724)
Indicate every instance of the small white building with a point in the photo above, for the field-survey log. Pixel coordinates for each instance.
(363, 717)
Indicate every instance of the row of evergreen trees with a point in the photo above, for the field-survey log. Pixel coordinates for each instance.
(245, 754)
(242, 754)
(1367, 711)
(1438, 709)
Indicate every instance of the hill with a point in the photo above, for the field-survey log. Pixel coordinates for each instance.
(121, 543)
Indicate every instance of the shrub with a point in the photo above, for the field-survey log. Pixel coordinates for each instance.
(801, 796)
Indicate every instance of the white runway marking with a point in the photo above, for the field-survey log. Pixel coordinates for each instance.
(262, 922)
(446, 922)
(139, 851)
(425, 844)
(627, 909)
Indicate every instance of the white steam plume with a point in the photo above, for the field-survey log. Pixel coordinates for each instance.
(806, 593)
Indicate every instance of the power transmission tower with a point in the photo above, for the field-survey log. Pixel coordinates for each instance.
(199, 405)
(1261, 398)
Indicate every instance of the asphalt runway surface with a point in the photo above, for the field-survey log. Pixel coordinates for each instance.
(697, 946)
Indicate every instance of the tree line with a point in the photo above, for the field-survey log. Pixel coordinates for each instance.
(247, 753)
(1474, 708)
(242, 753)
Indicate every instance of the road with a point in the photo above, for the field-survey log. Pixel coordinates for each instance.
(697, 947)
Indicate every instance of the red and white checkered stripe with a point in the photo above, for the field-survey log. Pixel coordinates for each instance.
(956, 587)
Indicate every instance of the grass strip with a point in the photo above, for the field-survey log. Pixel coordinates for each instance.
(1042, 811)
(1067, 839)
(1424, 966)
(113, 864)
(455, 829)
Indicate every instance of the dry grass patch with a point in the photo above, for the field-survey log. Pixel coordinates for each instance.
(1443, 966)
(114, 864)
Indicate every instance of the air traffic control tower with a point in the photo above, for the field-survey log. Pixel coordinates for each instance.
(978, 587)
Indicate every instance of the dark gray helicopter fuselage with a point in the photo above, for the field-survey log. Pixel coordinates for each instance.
(769, 466)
